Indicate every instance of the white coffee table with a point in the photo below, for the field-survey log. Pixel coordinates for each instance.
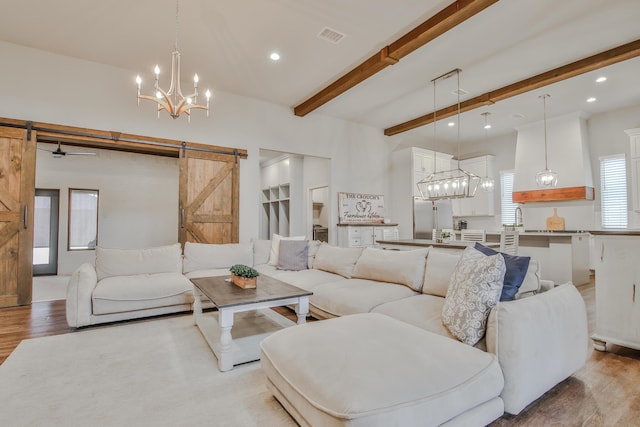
(247, 311)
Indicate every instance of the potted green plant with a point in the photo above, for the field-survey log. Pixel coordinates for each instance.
(446, 236)
(244, 276)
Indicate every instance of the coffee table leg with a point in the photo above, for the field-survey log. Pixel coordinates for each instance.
(225, 320)
(197, 305)
(302, 309)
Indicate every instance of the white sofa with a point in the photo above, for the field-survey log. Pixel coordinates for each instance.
(539, 339)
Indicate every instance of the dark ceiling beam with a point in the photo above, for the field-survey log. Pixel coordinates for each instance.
(594, 62)
(452, 15)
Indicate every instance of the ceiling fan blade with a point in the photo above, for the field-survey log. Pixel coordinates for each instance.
(80, 154)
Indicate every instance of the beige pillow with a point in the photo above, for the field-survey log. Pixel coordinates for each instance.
(440, 267)
(403, 267)
(336, 260)
(275, 247)
(129, 262)
(313, 249)
(475, 289)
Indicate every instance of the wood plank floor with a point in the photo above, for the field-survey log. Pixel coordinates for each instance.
(606, 392)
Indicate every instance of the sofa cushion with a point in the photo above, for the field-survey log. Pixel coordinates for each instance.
(517, 267)
(207, 273)
(141, 291)
(275, 246)
(392, 374)
(205, 256)
(128, 262)
(336, 260)
(314, 245)
(475, 289)
(439, 269)
(305, 279)
(356, 296)
(403, 267)
(293, 255)
(261, 251)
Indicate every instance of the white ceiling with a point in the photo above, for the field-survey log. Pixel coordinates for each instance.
(228, 42)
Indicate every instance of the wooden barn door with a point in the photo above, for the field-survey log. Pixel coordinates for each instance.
(209, 199)
(17, 187)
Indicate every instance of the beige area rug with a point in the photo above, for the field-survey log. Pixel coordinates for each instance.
(49, 288)
(153, 373)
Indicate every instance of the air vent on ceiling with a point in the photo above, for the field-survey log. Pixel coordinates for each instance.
(331, 35)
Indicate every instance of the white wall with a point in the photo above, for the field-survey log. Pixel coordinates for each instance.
(45, 87)
(138, 198)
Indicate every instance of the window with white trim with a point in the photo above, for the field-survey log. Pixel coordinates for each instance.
(507, 206)
(613, 191)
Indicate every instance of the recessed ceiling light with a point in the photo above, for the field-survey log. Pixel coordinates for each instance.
(592, 99)
(275, 56)
(487, 126)
(451, 124)
(601, 79)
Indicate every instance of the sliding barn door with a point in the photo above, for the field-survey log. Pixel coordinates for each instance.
(209, 199)
(17, 187)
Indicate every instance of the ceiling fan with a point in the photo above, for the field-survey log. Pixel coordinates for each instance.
(58, 152)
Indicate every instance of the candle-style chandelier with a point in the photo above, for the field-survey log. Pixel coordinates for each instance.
(173, 101)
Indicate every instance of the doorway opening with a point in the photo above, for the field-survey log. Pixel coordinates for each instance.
(319, 200)
(45, 232)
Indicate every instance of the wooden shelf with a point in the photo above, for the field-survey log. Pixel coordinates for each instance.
(554, 195)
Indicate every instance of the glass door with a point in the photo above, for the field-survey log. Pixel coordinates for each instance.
(45, 236)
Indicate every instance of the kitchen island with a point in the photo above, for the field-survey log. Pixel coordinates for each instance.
(408, 244)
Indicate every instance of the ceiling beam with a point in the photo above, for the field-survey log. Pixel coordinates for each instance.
(443, 21)
(594, 62)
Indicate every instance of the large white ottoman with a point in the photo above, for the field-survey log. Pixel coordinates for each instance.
(373, 370)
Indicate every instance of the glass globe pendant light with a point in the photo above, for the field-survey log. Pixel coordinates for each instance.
(486, 182)
(546, 178)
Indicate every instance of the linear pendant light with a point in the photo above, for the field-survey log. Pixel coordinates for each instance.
(454, 183)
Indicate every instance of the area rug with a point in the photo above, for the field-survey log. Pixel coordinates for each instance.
(152, 373)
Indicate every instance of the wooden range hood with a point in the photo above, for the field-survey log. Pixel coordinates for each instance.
(554, 195)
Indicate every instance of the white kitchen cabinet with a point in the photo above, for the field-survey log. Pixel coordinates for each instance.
(482, 204)
(350, 236)
(634, 163)
(617, 291)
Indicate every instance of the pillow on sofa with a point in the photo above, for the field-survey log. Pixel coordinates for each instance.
(475, 289)
(517, 267)
(531, 282)
(403, 267)
(313, 249)
(293, 255)
(440, 267)
(275, 247)
(210, 256)
(261, 251)
(336, 260)
(129, 262)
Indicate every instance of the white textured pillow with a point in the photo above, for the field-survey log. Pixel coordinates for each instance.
(475, 289)
(440, 267)
(208, 256)
(336, 260)
(275, 247)
(261, 251)
(313, 249)
(128, 262)
(403, 267)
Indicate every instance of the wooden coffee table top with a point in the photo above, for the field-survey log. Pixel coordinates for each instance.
(226, 294)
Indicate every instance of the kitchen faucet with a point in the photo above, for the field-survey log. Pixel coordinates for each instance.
(518, 216)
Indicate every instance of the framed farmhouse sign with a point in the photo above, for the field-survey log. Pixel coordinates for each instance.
(358, 208)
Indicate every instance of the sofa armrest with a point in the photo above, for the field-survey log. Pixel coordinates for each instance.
(79, 291)
(539, 341)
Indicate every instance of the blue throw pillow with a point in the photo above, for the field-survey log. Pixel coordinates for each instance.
(517, 267)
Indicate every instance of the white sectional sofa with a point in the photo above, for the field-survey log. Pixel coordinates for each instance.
(538, 339)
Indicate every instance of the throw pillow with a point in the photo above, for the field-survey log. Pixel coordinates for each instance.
(293, 255)
(517, 267)
(275, 247)
(474, 290)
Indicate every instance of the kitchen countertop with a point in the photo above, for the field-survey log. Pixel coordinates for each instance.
(455, 244)
(542, 233)
(615, 232)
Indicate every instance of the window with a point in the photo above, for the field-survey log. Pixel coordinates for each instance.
(613, 191)
(506, 197)
(83, 219)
